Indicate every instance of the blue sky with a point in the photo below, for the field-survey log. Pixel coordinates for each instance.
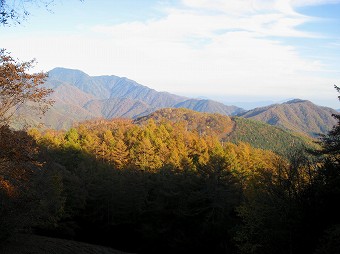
(229, 50)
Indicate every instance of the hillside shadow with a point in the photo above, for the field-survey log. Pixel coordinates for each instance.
(134, 210)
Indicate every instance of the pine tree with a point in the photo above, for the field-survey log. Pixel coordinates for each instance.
(145, 155)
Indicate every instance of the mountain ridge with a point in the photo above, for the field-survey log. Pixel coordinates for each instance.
(296, 115)
(110, 96)
(79, 97)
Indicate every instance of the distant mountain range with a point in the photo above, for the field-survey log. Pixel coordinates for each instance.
(296, 115)
(80, 97)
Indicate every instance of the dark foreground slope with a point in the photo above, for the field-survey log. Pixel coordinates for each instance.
(34, 244)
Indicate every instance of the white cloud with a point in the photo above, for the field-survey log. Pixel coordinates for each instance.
(298, 3)
(237, 7)
(231, 52)
(251, 6)
(205, 47)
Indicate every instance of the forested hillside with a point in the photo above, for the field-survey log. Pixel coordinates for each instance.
(168, 185)
(265, 136)
(160, 186)
(202, 123)
(233, 129)
(296, 115)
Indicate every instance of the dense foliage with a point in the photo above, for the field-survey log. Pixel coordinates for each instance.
(160, 186)
(235, 130)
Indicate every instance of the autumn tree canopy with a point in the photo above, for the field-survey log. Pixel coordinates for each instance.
(18, 87)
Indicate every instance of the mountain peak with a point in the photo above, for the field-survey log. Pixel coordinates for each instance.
(296, 115)
(295, 101)
(57, 71)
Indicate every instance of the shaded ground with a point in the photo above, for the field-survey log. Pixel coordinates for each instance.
(33, 244)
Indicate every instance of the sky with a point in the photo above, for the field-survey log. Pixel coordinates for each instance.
(228, 50)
